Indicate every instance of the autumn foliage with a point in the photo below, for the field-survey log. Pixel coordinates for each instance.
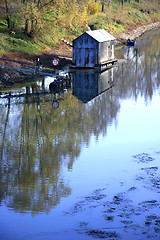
(52, 20)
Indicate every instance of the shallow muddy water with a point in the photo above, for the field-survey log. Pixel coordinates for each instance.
(84, 163)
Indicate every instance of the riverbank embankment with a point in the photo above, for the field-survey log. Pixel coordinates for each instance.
(8, 78)
(135, 33)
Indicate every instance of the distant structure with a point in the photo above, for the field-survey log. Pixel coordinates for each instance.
(93, 49)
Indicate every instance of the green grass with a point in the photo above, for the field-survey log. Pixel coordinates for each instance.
(17, 44)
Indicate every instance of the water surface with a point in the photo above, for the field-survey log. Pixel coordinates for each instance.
(83, 163)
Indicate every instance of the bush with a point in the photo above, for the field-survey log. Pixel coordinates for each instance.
(93, 7)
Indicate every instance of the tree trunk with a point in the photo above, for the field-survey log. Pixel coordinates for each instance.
(38, 3)
(102, 7)
(8, 21)
(7, 14)
(26, 26)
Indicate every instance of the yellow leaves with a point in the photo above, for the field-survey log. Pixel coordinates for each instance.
(33, 17)
(44, 16)
(93, 7)
(72, 15)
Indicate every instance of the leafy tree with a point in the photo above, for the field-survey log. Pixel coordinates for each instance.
(33, 16)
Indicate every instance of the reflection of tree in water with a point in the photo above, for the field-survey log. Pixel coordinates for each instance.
(140, 75)
(95, 89)
(102, 111)
(37, 140)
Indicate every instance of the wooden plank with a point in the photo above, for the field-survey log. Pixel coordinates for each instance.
(34, 71)
(105, 64)
(16, 61)
(62, 56)
(17, 69)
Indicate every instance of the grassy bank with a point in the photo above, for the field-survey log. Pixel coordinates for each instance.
(17, 42)
(115, 18)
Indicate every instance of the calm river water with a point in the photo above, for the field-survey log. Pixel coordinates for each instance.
(84, 163)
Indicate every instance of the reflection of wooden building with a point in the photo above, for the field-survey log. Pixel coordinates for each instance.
(93, 49)
(89, 84)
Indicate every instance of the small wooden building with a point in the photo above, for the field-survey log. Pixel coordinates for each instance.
(93, 49)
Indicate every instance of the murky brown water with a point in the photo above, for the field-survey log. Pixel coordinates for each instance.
(84, 163)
